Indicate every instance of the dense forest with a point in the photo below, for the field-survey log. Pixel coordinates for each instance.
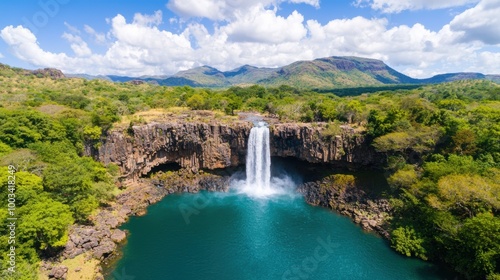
(442, 144)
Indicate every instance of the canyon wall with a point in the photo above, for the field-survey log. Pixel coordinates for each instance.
(210, 146)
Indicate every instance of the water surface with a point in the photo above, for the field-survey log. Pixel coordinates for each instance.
(234, 236)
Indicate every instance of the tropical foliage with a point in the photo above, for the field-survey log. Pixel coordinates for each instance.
(441, 142)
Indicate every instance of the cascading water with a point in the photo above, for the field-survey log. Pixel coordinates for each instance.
(258, 165)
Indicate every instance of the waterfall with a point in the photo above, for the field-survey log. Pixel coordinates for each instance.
(258, 165)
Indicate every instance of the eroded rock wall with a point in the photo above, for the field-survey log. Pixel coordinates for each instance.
(196, 145)
(305, 142)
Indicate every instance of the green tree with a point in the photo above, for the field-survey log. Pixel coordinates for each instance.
(20, 128)
(407, 242)
(70, 185)
(477, 252)
(403, 178)
(28, 186)
(196, 102)
(464, 142)
(45, 222)
(395, 141)
(4, 149)
(468, 194)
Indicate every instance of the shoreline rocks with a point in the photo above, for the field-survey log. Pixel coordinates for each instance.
(100, 240)
(205, 152)
(341, 193)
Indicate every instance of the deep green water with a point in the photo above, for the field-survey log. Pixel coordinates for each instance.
(233, 236)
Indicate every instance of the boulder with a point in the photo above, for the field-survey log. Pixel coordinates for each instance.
(104, 249)
(58, 272)
(118, 235)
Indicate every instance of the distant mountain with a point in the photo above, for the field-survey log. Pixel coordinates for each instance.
(320, 74)
(204, 76)
(451, 77)
(323, 73)
(494, 78)
(247, 74)
(334, 72)
(90, 77)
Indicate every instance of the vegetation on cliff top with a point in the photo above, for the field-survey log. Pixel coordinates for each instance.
(442, 144)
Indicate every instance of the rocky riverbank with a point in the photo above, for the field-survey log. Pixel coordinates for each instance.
(206, 153)
(99, 241)
(346, 195)
(96, 243)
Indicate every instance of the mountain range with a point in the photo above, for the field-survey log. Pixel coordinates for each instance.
(322, 73)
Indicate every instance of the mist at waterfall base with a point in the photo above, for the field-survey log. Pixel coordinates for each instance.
(260, 229)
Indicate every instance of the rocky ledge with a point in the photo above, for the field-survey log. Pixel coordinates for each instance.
(200, 145)
(344, 194)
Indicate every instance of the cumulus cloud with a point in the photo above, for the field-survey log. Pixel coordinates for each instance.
(480, 23)
(396, 6)
(224, 10)
(24, 46)
(260, 37)
(1, 55)
(260, 25)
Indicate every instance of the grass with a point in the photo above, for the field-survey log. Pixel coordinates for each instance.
(87, 268)
(174, 114)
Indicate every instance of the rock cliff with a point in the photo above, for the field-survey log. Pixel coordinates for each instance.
(209, 146)
(350, 196)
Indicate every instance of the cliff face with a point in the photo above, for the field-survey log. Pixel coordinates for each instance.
(197, 145)
(193, 146)
(305, 142)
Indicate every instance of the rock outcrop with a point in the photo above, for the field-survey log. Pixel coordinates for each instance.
(306, 142)
(209, 146)
(346, 195)
(48, 73)
(193, 146)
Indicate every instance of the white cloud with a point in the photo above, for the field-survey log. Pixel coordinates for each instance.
(71, 28)
(1, 55)
(24, 46)
(396, 6)
(211, 9)
(480, 23)
(148, 20)
(260, 25)
(258, 37)
(224, 10)
(314, 3)
(78, 46)
(99, 38)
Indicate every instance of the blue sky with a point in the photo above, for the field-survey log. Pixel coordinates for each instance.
(420, 38)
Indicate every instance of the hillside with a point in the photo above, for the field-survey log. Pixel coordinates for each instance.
(320, 74)
(440, 143)
(334, 72)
